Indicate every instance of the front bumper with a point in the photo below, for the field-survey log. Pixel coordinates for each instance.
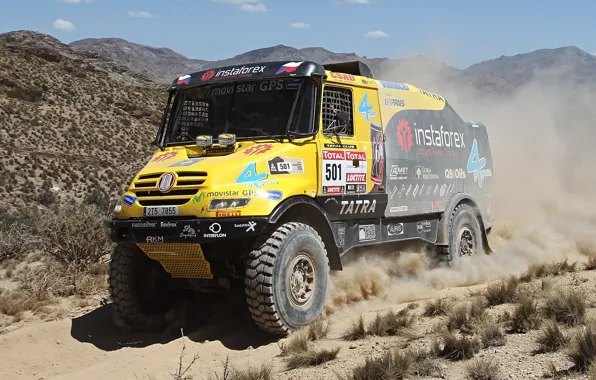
(168, 230)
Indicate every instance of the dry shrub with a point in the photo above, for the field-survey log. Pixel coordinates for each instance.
(490, 333)
(459, 348)
(390, 323)
(466, 315)
(526, 316)
(75, 237)
(297, 342)
(16, 239)
(503, 291)
(14, 303)
(551, 338)
(357, 330)
(547, 284)
(482, 369)
(312, 357)
(425, 365)
(440, 306)
(262, 372)
(583, 349)
(393, 364)
(568, 307)
(548, 269)
(590, 264)
(318, 329)
(562, 267)
(42, 282)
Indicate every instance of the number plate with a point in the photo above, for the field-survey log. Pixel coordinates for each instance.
(158, 211)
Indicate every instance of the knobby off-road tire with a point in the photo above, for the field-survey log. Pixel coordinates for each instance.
(136, 304)
(465, 234)
(294, 252)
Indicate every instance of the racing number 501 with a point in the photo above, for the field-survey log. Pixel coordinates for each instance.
(333, 172)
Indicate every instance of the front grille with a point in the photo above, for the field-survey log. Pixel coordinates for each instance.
(187, 185)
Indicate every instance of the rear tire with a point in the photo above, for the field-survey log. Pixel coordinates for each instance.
(465, 234)
(286, 279)
(140, 301)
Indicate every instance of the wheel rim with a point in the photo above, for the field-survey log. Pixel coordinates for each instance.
(301, 279)
(467, 245)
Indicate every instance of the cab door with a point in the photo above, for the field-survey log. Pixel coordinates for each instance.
(351, 159)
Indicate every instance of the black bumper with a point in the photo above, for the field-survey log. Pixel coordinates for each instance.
(183, 230)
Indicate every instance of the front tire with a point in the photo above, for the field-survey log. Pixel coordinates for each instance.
(286, 279)
(140, 299)
(465, 234)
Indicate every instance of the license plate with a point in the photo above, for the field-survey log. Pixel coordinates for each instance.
(158, 211)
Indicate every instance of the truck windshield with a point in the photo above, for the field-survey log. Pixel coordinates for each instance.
(249, 109)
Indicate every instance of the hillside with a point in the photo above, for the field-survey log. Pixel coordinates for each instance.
(158, 64)
(573, 63)
(69, 122)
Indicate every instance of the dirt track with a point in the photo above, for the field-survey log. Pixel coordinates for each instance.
(90, 347)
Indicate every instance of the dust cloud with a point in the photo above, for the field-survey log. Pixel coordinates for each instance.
(541, 135)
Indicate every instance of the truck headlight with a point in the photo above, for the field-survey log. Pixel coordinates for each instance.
(218, 204)
(204, 141)
(118, 207)
(226, 139)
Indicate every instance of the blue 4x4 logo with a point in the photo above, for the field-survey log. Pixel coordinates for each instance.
(476, 165)
(365, 109)
(250, 177)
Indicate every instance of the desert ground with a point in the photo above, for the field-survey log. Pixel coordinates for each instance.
(526, 311)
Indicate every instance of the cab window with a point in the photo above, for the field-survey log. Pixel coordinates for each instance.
(338, 114)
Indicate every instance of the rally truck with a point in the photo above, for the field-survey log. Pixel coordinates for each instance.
(267, 174)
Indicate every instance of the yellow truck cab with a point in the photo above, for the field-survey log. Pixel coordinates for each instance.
(268, 173)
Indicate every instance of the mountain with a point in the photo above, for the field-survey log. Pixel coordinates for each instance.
(74, 125)
(158, 64)
(570, 61)
(499, 75)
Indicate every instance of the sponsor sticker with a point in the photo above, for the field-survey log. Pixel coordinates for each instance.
(288, 68)
(367, 232)
(274, 195)
(183, 80)
(248, 226)
(423, 226)
(188, 232)
(164, 156)
(341, 234)
(251, 178)
(476, 165)
(129, 200)
(398, 172)
(359, 206)
(215, 231)
(343, 167)
(285, 165)
(187, 162)
(395, 229)
(424, 172)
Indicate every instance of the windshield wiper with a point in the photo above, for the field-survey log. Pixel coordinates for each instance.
(281, 140)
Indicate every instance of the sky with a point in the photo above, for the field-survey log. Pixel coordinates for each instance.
(461, 32)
